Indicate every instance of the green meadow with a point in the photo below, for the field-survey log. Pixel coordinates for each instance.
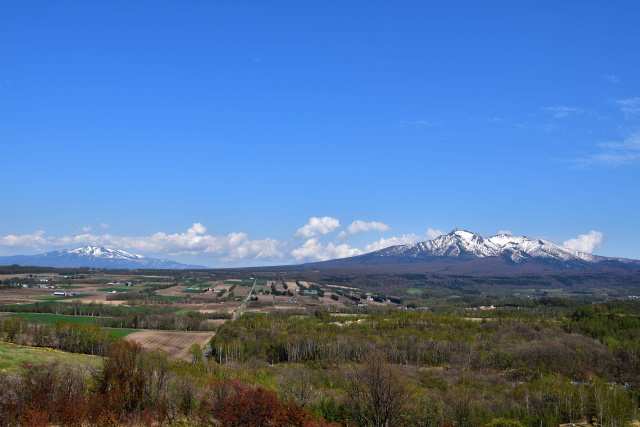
(13, 357)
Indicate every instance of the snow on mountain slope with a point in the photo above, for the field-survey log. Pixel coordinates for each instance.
(464, 244)
(100, 252)
(94, 256)
(461, 245)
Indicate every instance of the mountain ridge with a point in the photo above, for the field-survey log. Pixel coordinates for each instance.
(97, 257)
(460, 246)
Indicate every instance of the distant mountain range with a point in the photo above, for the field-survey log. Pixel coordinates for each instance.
(96, 257)
(459, 251)
(480, 253)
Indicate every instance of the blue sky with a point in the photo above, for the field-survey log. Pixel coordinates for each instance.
(121, 120)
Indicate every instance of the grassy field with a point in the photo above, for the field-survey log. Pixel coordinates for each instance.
(59, 297)
(120, 333)
(13, 356)
(166, 298)
(82, 320)
(53, 318)
(414, 291)
(69, 287)
(11, 307)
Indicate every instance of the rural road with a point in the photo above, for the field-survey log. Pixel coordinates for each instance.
(242, 307)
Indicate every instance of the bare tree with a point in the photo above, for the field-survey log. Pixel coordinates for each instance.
(296, 384)
(378, 395)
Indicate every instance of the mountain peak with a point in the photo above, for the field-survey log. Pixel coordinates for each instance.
(97, 257)
(462, 245)
(102, 252)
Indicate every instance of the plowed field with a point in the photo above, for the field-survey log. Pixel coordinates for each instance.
(176, 344)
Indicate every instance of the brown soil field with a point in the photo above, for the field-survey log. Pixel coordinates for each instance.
(11, 276)
(99, 299)
(212, 308)
(174, 291)
(241, 291)
(23, 293)
(176, 344)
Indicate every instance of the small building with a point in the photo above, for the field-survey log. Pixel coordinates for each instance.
(58, 293)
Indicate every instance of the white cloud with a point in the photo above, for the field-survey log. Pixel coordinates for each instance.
(197, 229)
(507, 232)
(83, 230)
(586, 242)
(313, 250)
(418, 123)
(256, 249)
(560, 112)
(317, 226)
(34, 241)
(629, 106)
(393, 241)
(234, 246)
(363, 226)
(432, 233)
(613, 154)
(406, 239)
(104, 226)
(612, 78)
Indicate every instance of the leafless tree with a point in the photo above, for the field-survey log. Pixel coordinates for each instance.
(296, 384)
(378, 395)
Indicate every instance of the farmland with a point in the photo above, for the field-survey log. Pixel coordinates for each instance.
(122, 288)
(45, 318)
(176, 344)
(442, 344)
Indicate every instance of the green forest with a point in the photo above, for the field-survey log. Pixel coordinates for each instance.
(551, 362)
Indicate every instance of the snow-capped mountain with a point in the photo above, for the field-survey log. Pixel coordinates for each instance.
(461, 245)
(94, 256)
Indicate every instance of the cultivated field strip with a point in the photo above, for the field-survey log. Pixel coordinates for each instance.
(176, 344)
